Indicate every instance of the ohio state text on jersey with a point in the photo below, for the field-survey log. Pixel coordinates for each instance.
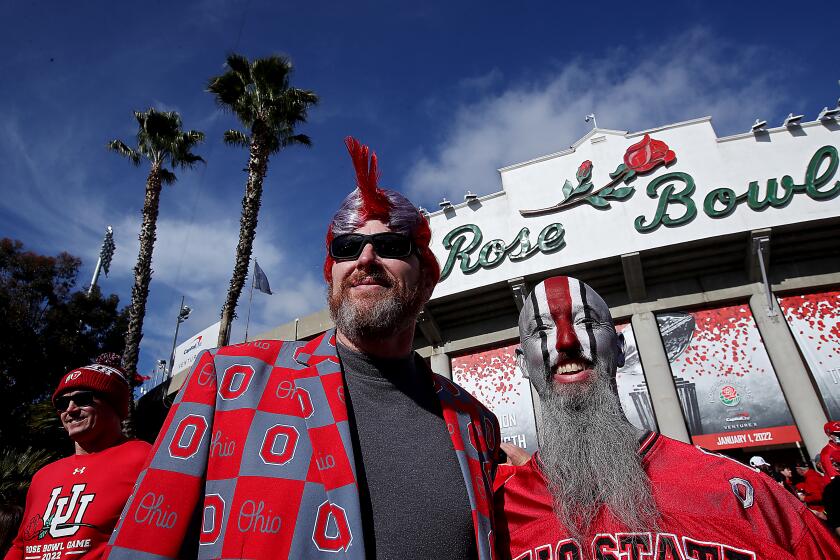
(257, 448)
(712, 508)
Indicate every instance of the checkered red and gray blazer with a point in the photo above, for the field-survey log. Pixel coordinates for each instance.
(255, 458)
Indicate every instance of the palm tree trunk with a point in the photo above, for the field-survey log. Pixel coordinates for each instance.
(140, 290)
(257, 168)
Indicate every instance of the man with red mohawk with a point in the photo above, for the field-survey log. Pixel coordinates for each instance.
(346, 446)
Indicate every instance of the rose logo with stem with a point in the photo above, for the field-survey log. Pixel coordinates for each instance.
(640, 158)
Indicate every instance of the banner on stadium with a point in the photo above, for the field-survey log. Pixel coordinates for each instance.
(728, 390)
(631, 384)
(814, 320)
(187, 352)
(494, 379)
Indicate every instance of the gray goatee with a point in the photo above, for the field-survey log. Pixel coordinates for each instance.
(590, 458)
(374, 317)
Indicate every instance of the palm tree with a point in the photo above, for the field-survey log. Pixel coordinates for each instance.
(260, 95)
(161, 141)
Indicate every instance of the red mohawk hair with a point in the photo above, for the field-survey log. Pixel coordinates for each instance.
(375, 205)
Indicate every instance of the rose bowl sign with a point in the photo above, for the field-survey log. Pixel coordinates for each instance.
(615, 193)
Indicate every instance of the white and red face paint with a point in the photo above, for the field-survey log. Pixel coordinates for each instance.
(567, 334)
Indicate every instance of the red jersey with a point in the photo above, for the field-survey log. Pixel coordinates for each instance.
(74, 503)
(830, 460)
(712, 508)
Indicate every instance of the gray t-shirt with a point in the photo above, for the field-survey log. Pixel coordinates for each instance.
(412, 492)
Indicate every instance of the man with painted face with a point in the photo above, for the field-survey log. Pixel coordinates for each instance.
(600, 488)
(345, 446)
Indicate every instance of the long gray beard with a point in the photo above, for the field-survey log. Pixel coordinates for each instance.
(381, 318)
(590, 458)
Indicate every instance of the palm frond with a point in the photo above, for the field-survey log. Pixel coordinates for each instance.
(236, 138)
(16, 470)
(227, 88)
(121, 148)
(239, 65)
(166, 176)
(271, 74)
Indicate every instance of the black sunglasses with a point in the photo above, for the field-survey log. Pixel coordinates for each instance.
(387, 245)
(82, 398)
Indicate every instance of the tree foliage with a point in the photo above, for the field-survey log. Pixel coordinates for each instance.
(47, 329)
(161, 142)
(260, 94)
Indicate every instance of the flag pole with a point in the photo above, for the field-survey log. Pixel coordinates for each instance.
(250, 296)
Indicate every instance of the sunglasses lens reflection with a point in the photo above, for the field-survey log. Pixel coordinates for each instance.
(80, 399)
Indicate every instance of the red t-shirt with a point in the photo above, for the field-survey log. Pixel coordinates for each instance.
(74, 503)
(712, 507)
(830, 460)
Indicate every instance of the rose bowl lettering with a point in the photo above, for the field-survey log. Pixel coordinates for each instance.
(637, 546)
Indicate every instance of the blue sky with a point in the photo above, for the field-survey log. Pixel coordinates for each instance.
(445, 92)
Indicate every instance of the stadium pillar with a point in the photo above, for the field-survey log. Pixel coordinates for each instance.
(660, 383)
(794, 379)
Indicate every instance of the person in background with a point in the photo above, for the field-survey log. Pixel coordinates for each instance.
(830, 454)
(600, 488)
(346, 446)
(786, 471)
(758, 464)
(810, 489)
(73, 504)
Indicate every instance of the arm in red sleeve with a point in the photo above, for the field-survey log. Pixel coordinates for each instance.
(816, 542)
(170, 490)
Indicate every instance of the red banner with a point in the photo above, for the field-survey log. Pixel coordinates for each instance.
(748, 438)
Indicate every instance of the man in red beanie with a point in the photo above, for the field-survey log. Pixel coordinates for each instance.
(346, 446)
(74, 503)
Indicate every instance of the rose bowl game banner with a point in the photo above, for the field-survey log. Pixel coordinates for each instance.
(814, 320)
(631, 384)
(493, 378)
(727, 387)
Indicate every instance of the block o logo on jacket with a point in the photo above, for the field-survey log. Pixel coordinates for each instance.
(274, 453)
(188, 436)
(332, 530)
(235, 381)
(211, 524)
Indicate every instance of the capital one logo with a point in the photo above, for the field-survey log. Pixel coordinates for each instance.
(332, 531)
(211, 526)
(235, 381)
(61, 509)
(279, 444)
(188, 436)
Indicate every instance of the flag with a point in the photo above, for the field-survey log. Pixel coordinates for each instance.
(260, 280)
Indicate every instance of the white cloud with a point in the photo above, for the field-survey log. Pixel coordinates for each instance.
(627, 89)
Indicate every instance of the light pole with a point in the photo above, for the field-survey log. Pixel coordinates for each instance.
(183, 314)
(106, 253)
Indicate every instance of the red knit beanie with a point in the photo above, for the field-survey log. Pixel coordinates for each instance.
(107, 381)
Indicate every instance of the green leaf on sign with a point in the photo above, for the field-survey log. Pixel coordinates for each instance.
(597, 201)
(622, 193)
(629, 176)
(582, 188)
(606, 191)
(618, 171)
(567, 189)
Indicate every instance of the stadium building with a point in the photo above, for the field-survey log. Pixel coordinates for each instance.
(719, 258)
